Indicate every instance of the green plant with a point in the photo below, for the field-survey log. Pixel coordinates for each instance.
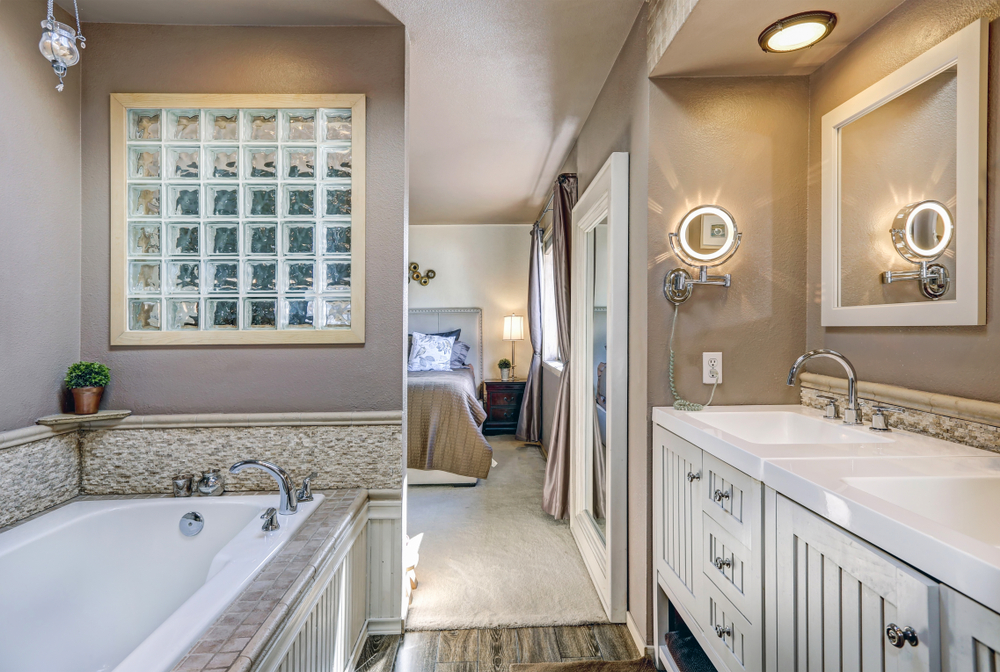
(504, 363)
(87, 374)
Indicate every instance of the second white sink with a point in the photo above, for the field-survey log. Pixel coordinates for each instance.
(780, 427)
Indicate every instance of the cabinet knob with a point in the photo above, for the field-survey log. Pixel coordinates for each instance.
(692, 477)
(898, 636)
(722, 562)
(723, 632)
(721, 495)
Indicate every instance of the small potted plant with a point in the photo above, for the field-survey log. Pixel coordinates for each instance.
(504, 365)
(87, 381)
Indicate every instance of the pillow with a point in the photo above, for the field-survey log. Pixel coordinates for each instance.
(457, 333)
(430, 352)
(459, 352)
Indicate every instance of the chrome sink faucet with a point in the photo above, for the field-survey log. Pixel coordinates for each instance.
(289, 499)
(852, 414)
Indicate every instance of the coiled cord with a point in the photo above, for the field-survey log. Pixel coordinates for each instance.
(679, 403)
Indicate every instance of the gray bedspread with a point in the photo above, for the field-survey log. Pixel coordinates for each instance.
(443, 417)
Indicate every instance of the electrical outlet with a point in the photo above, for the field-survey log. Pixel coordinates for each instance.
(711, 368)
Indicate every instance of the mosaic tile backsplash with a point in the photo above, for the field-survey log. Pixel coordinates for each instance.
(239, 219)
(37, 475)
(965, 432)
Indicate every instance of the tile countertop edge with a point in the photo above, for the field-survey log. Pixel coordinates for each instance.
(301, 568)
(863, 515)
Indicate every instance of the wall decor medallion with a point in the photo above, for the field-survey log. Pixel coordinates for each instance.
(423, 278)
(237, 219)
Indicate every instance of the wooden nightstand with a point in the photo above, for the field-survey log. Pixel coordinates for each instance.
(503, 405)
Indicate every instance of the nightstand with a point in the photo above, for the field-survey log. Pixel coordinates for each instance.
(503, 405)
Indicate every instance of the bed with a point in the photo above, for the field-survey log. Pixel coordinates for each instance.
(445, 443)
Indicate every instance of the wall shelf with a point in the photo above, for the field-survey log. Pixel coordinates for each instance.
(62, 419)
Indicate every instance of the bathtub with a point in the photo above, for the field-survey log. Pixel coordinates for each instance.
(106, 585)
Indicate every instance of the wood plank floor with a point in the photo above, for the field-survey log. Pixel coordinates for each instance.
(494, 649)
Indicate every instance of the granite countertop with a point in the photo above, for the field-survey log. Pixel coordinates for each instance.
(240, 635)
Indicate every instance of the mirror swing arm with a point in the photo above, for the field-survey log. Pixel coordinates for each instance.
(679, 284)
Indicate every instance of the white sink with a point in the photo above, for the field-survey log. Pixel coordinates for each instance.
(779, 427)
(967, 504)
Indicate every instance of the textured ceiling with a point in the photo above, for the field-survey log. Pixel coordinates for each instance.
(499, 90)
(235, 12)
(715, 40)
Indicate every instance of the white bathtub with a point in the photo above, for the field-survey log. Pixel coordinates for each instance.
(114, 585)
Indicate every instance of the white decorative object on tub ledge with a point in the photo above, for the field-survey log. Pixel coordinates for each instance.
(971, 422)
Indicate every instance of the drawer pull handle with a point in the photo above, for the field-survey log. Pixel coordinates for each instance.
(898, 636)
(721, 495)
(722, 562)
(692, 477)
(723, 632)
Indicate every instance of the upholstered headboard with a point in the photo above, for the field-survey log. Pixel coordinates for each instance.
(469, 320)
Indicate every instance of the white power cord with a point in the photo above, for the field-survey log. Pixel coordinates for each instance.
(679, 403)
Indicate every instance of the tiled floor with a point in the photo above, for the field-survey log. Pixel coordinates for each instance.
(494, 649)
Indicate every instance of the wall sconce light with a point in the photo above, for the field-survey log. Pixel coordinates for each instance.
(921, 232)
(706, 237)
(58, 43)
(797, 31)
(423, 278)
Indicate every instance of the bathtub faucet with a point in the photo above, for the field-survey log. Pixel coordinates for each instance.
(289, 501)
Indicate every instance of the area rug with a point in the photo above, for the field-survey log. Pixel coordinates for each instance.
(490, 557)
(637, 665)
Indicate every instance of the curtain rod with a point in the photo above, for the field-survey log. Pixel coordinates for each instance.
(545, 209)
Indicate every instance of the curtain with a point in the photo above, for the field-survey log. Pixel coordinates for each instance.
(555, 494)
(529, 424)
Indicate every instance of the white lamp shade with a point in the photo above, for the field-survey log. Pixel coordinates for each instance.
(513, 328)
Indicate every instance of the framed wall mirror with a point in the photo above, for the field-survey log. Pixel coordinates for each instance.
(599, 381)
(904, 193)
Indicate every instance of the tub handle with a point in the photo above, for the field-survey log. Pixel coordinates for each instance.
(270, 518)
(305, 492)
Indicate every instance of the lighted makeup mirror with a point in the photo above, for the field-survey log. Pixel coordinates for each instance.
(910, 149)
(706, 237)
(921, 232)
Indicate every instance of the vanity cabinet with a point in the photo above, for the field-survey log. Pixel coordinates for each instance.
(970, 634)
(837, 597)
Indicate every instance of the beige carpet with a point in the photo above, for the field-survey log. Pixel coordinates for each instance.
(491, 557)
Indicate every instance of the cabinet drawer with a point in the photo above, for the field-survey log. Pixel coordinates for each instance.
(729, 633)
(732, 499)
(504, 413)
(505, 398)
(732, 568)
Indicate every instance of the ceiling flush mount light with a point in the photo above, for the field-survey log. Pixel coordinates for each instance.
(797, 31)
(58, 43)
(920, 233)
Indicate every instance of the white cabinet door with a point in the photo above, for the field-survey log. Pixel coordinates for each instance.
(677, 524)
(970, 634)
(837, 596)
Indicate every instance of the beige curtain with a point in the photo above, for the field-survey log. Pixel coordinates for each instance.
(555, 495)
(529, 423)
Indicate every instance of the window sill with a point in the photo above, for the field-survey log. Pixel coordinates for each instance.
(554, 366)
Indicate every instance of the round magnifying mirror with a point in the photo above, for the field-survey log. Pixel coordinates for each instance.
(924, 229)
(707, 236)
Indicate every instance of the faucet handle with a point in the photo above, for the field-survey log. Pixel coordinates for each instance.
(305, 492)
(880, 423)
(270, 518)
(830, 412)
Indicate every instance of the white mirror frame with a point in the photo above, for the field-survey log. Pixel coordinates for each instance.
(968, 49)
(606, 559)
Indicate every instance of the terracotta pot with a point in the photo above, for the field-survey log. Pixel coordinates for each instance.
(86, 400)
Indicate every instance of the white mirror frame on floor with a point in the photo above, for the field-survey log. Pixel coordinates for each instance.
(604, 555)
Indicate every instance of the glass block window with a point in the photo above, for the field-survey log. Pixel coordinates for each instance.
(241, 220)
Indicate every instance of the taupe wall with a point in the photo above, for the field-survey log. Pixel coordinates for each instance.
(949, 360)
(39, 220)
(193, 59)
(739, 143)
(619, 122)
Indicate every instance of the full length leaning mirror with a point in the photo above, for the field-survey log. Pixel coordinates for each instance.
(904, 168)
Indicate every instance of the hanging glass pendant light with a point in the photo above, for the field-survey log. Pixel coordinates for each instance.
(58, 43)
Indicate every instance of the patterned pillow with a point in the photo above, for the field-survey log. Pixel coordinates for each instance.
(430, 353)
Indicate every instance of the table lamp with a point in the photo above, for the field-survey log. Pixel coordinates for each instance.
(513, 330)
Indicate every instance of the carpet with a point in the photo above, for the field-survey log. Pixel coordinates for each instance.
(490, 557)
(637, 665)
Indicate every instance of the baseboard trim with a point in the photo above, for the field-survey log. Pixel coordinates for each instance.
(359, 646)
(385, 626)
(641, 646)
